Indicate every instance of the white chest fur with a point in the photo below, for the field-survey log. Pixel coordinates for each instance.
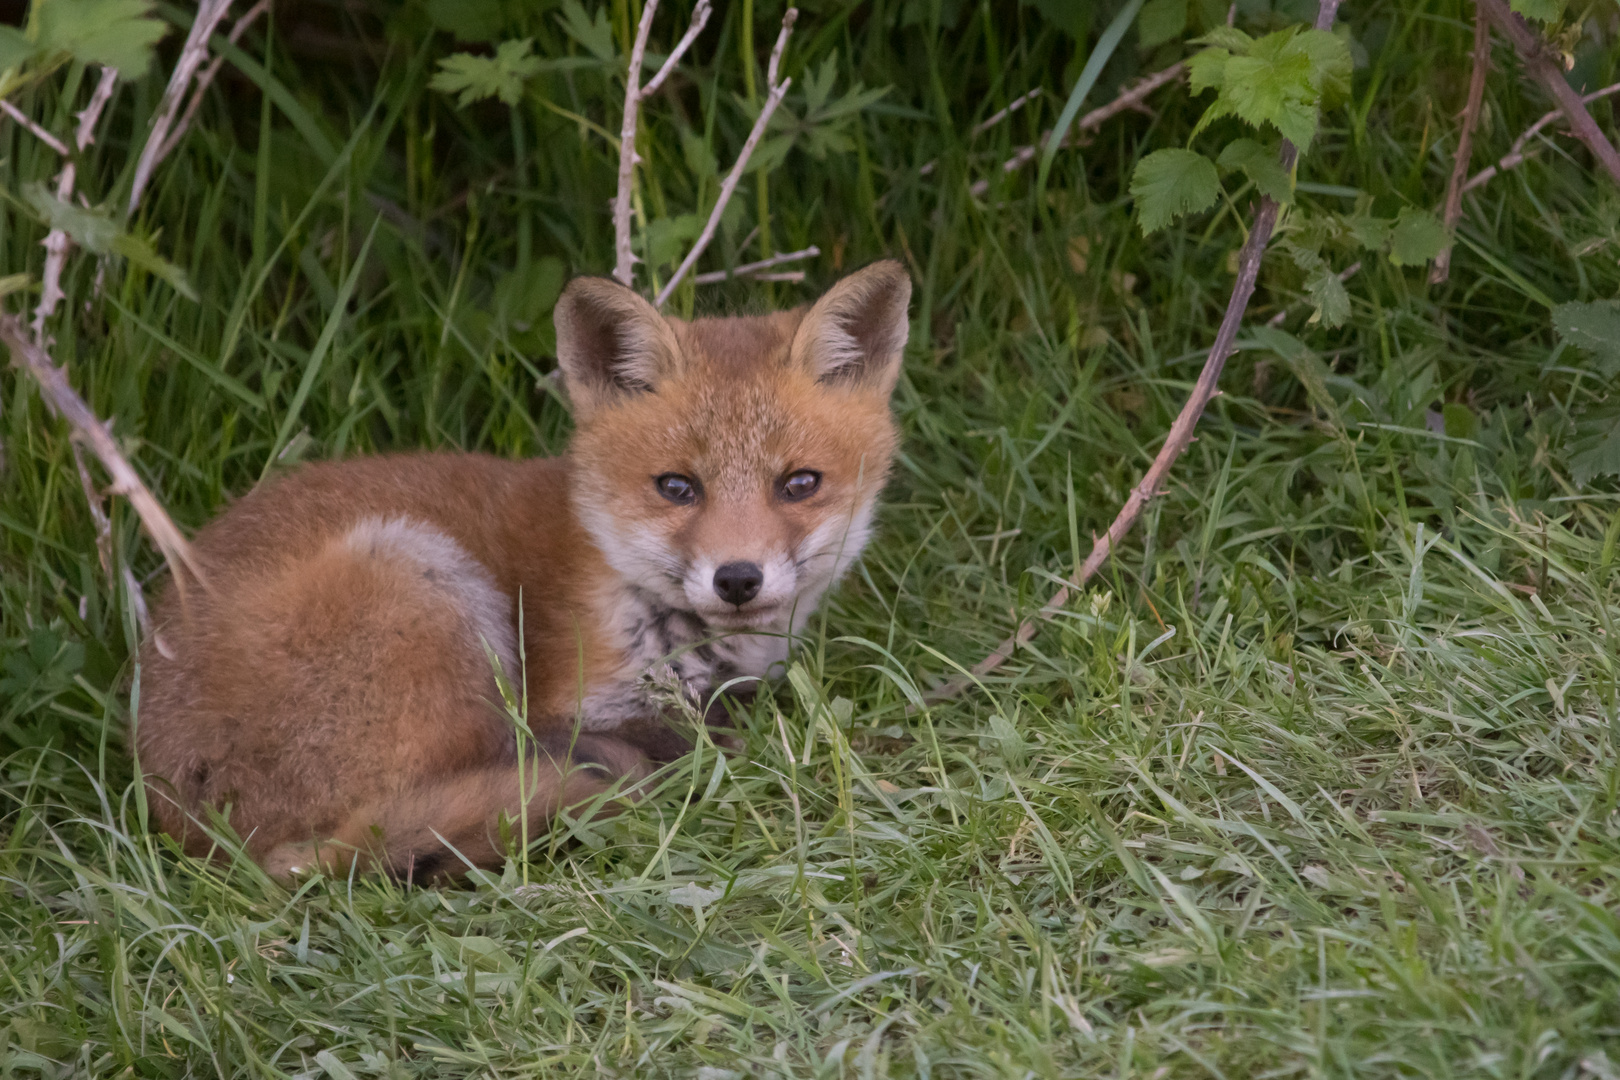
(674, 654)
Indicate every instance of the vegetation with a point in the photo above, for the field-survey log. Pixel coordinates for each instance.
(1320, 775)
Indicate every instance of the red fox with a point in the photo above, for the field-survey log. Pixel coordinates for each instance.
(331, 685)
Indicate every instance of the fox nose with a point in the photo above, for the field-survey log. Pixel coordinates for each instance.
(738, 582)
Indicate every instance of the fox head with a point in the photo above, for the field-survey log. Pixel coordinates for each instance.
(731, 466)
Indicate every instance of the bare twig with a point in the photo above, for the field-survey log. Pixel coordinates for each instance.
(997, 117)
(206, 79)
(1465, 143)
(778, 90)
(195, 51)
(56, 242)
(26, 121)
(754, 269)
(624, 254)
(1130, 98)
(66, 402)
(1181, 431)
(1517, 155)
(1544, 64)
(700, 19)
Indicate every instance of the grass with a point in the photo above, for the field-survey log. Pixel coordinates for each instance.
(1319, 778)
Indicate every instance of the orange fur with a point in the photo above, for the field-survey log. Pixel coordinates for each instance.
(332, 689)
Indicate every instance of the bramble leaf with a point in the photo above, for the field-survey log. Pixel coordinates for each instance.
(595, 33)
(1368, 231)
(114, 33)
(1259, 163)
(99, 234)
(1545, 10)
(1416, 238)
(1169, 183)
(468, 20)
(1282, 79)
(1596, 452)
(1595, 328)
(1207, 70)
(1160, 21)
(1328, 296)
(475, 78)
(15, 48)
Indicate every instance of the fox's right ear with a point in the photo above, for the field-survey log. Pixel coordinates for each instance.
(610, 342)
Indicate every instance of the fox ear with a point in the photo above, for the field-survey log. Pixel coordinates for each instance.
(856, 332)
(610, 342)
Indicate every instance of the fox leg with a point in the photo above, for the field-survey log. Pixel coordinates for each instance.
(440, 827)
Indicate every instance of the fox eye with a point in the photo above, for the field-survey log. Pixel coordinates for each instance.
(800, 485)
(678, 489)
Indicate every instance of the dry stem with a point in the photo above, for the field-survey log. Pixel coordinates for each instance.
(1544, 64)
(1516, 154)
(624, 253)
(778, 90)
(195, 51)
(1181, 431)
(206, 79)
(26, 121)
(56, 242)
(65, 402)
(754, 269)
(1465, 143)
(1130, 98)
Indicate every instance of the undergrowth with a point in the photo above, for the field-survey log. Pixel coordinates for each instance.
(1319, 777)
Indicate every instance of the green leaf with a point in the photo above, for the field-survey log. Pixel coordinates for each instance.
(15, 48)
(1545, 10)
(1281, 79)
(1597, 451)
(1161, 21)
(1207, 70)
(1260, 164)
(1273, 85)
(1328, 296)
(1417, 237)
(468, 20)
(114, 33)
(478, 77)
(1459, 420)
(1169, 183)
(596, 34)
(1595, 328)
(666, 238)
(99, 234)
(1368, 231)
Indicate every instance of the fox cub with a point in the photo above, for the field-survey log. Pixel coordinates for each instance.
(331, 683)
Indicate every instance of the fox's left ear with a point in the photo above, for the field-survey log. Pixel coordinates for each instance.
(857, 331)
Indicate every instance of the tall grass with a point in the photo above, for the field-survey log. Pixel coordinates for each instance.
(1319, 778)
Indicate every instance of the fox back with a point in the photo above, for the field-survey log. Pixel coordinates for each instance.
(334, 686)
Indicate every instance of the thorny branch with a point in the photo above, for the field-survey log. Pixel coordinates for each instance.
(1544, 64)
(206, 79)
(26, 121)
(56, 242)
(1181, 431)
(1441, 269)
(1129, 98)
(624, 254)
(1516, 154)
(778, 90)
(754, 269)
(66, 403)
(195, 51)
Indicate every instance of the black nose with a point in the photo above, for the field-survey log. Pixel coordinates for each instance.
(738, 582)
